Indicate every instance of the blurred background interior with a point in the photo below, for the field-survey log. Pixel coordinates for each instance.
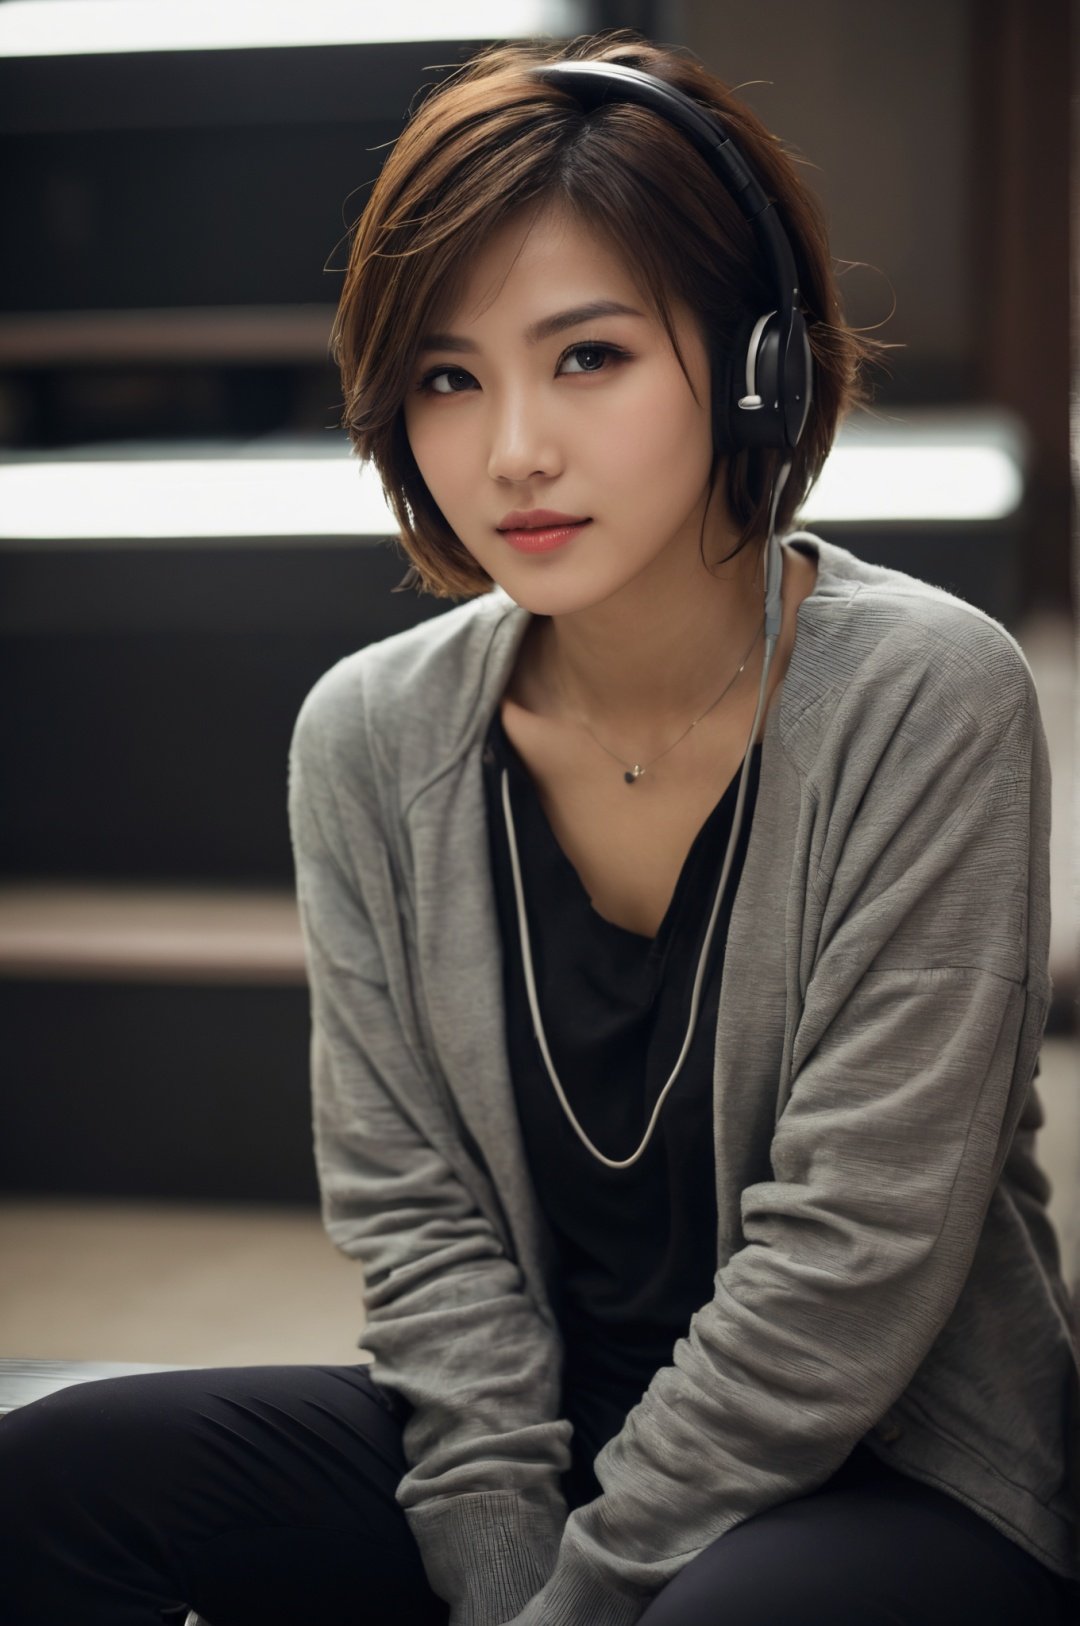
(185, 545)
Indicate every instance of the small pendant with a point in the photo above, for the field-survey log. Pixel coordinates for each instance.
(632, 774)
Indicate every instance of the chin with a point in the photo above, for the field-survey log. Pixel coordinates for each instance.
(558, 604)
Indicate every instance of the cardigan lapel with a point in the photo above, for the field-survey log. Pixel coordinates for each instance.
(461, 972)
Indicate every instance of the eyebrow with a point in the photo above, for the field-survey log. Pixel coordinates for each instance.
(543, 329)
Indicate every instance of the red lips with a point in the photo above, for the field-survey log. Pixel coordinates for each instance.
(536, 519)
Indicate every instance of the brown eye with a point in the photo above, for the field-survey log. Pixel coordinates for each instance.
(446, 381)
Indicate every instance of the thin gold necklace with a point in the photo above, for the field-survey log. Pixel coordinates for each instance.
(632, 772)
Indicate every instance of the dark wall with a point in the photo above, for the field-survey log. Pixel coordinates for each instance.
(150, 695)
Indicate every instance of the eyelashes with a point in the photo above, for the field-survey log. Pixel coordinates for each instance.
(610, 354)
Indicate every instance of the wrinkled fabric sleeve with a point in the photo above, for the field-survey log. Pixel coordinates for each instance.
(451, 1327)
(923, 1012)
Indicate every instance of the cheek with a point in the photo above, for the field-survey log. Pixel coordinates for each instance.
(434, 448)
(416, 435)
(664, 431)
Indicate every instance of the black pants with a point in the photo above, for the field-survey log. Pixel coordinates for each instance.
(264, 1496)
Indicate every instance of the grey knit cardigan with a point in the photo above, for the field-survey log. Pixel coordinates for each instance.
(885, 1270)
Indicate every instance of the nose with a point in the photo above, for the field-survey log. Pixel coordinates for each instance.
(524, 441)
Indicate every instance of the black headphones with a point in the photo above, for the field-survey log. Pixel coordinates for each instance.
(764, 403)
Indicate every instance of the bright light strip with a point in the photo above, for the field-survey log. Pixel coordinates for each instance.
(192, 497)
(290, 491)
(95, 27)
(889, 483)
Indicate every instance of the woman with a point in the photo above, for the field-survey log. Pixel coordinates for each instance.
(676, 917)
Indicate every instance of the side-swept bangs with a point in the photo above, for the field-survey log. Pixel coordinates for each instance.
(490, 143)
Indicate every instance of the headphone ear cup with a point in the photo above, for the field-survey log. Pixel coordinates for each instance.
(780, 376)
(773, 376)
(758, 379)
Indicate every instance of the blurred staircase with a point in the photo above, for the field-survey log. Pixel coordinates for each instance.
(187, 250)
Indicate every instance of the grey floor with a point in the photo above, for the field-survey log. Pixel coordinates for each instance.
(227, 1286)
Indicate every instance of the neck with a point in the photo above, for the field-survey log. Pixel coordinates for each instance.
(648, 661)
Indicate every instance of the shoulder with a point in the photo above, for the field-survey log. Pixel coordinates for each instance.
(879, 650)
(413, 689)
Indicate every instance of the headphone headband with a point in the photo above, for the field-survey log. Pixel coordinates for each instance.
(771, 413)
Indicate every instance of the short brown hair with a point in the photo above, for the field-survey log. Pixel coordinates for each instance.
(489, 141)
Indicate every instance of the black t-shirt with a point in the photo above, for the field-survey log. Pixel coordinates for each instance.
(637, 1246)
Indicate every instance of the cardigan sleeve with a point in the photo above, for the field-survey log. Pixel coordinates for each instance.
(451, 1327)
(916, 1044)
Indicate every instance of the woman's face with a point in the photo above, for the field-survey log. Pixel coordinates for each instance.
(525, 401)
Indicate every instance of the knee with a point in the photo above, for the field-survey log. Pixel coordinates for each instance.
(58, 1445)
